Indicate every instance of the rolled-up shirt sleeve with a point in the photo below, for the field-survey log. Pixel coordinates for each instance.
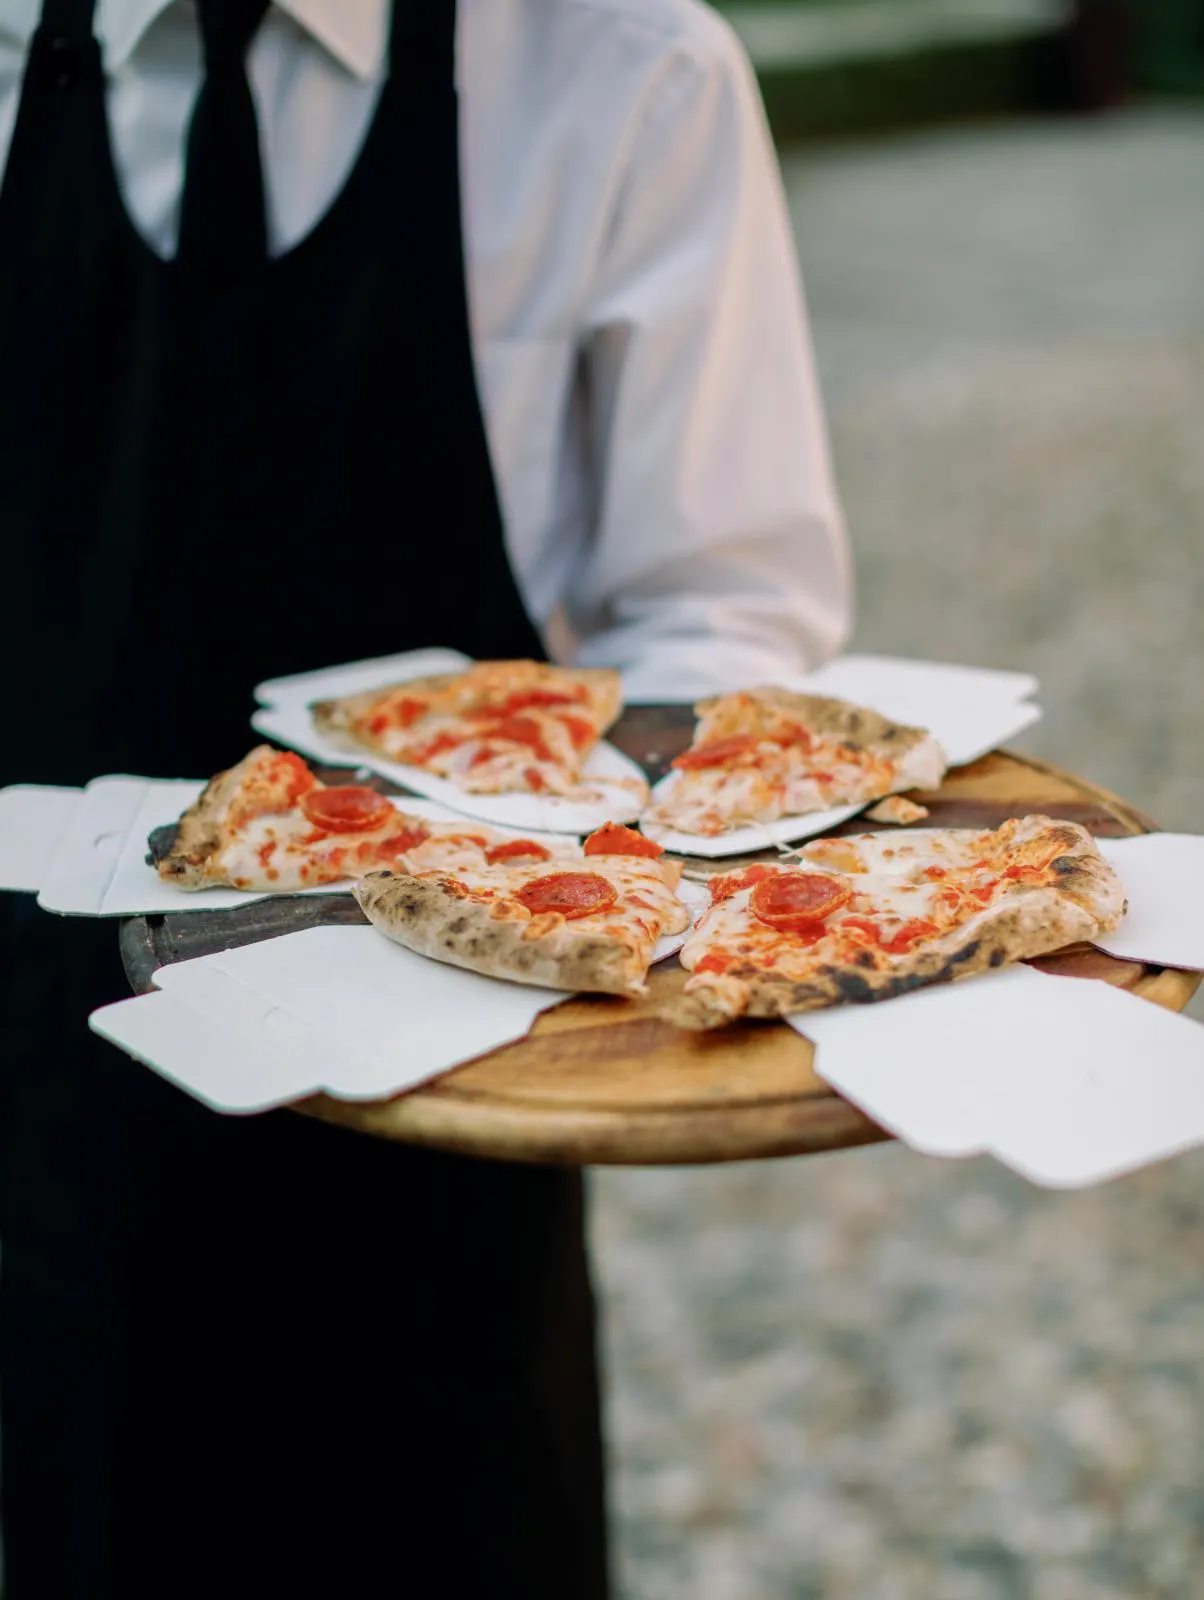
(718, 556)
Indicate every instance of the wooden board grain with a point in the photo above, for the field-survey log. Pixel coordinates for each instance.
(603, 1081)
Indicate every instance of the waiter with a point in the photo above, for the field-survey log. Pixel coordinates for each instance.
(255, 387)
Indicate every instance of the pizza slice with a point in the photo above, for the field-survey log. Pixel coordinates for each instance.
(590, 925)
(270, 825)
(499, 727)
(872, 916)
(769, 753)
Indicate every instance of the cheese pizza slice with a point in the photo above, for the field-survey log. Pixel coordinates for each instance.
(590, 925)
(768, 753)
(875, 915)
(270, 825)
(499, 727)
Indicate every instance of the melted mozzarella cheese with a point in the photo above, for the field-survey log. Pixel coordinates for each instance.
(287, 852)
(647, 906)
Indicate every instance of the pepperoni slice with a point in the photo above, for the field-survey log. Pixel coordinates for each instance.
(348, 808)
(727, 884)
(440, 745)
(613, 839)
(522, 699)
(572, 894)
(714, 962)
(409, 837)
(401, 713)
(519, 730)
(794, 901)
(518, 850)
(407, 710)
(1025, 874)
(909, 934)
(718, 753)
(581, 730)
(297, 777)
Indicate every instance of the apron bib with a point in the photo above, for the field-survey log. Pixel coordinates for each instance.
(256, 1356)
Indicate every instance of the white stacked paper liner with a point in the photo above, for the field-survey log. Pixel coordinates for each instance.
(355, 677)
(969, 710)
(342, 1010)
(1068, 1081)
(87, 856)
(1163, 875)
(285, 717)
(292, 725)
(34, 819)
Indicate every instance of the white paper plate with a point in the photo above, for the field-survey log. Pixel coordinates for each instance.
(743, 841)
(99, 868)
(864, 678)
(967, 724)
(1163, 876)
(344, 1010)
(1069, 1081)
(335, 1009)
(292, 725)
(333, 683)
(33, 820)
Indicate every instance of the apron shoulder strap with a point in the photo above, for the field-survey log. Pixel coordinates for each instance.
(422, 30)
(68, 19)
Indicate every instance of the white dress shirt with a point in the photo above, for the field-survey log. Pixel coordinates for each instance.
(638, 324)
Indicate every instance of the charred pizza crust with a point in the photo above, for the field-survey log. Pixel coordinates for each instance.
(1029, 920)
(193, 843)
(839, 722)
(429, 917)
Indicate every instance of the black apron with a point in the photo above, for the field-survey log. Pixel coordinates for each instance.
(252, 1356)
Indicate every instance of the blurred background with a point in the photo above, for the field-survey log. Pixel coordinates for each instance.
(873, 1376)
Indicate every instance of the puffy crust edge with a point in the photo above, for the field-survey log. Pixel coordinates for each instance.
(194, 841)
(425, 916)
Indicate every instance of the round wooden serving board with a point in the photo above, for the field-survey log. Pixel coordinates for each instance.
(604, 1081)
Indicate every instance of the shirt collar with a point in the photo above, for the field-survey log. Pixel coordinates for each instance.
(354, 32)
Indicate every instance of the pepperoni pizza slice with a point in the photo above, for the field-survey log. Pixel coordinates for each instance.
(587, 925)
(875, 915)
(500, 727)
(270, 825)
(768, 753)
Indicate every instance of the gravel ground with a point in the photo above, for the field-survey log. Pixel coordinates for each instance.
(872, 1376)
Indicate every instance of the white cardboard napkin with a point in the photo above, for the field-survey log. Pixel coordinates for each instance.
(743, 841)
(331, 683)
(1163, 875)
(927, 1064)
(292, 725)
(862, 678)
(339, 1009)
(1068, 1081)
(33, 820)
(88, 858)
(968, 710)
(1129, 1089)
